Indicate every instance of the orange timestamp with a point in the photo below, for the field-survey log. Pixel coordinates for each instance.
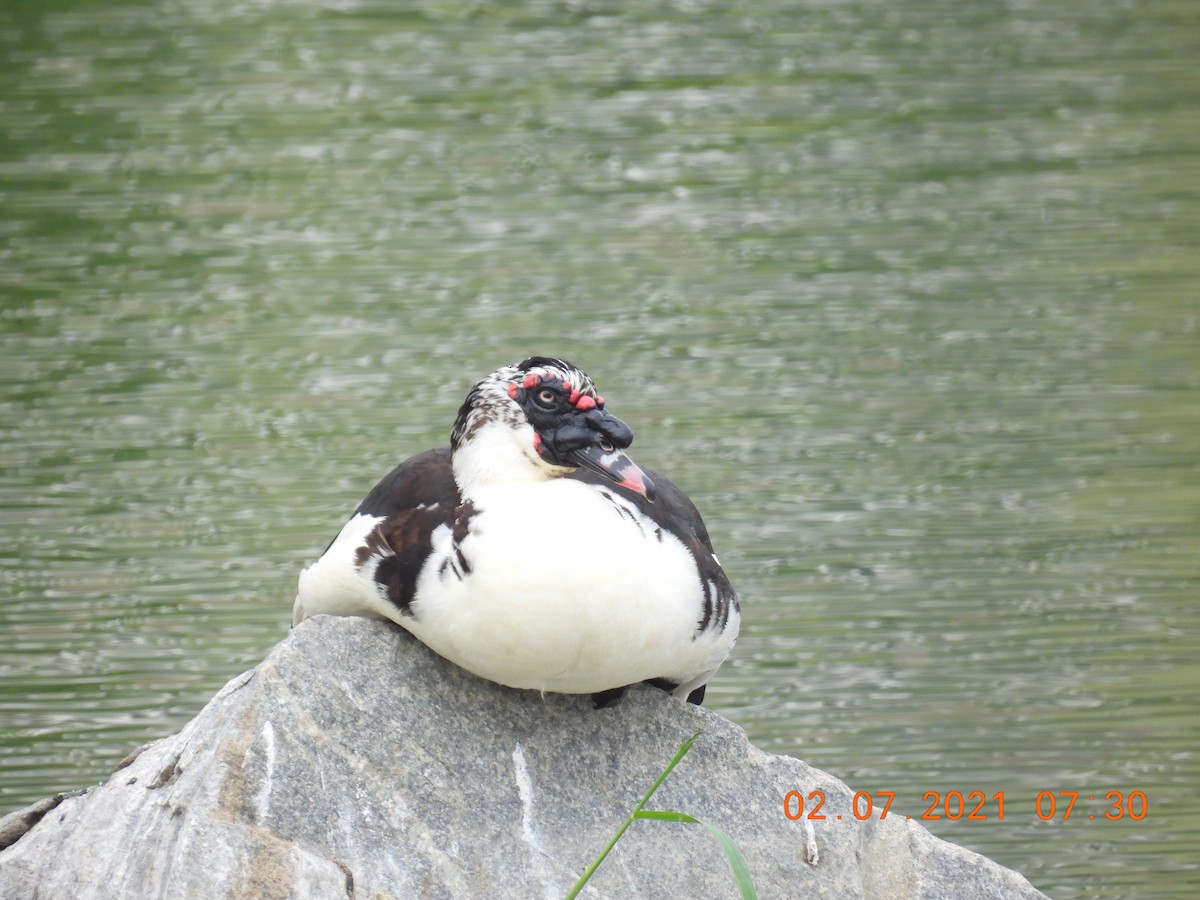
(973, 806)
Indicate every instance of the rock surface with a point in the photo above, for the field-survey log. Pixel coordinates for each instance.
(354, 763)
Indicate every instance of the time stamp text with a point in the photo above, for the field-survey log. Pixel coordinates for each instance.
(976, 806)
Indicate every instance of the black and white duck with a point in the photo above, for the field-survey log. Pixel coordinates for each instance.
(534, 552)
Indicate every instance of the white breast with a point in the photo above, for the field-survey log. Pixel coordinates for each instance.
(568, 591)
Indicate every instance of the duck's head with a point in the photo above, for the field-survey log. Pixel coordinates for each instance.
(542, 413)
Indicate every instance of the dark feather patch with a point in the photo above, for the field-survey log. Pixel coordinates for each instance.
(414, 499)
(398, 571)
(462, 527)
(422, 480)
(458, 564)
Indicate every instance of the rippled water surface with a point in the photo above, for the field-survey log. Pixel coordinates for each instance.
(905, 294)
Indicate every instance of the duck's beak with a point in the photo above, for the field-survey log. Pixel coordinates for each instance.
(612, 462)
(593, 438)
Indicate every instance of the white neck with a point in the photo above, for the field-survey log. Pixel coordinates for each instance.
(497, 454)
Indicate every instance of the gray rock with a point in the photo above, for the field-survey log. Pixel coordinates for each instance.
(354, 763)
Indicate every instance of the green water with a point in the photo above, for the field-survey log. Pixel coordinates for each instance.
(906, 295)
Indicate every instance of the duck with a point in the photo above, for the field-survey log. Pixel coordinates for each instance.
(534, 552)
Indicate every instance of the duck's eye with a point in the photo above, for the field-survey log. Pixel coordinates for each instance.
(546, 397)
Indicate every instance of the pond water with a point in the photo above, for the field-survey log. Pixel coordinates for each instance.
(904, 294)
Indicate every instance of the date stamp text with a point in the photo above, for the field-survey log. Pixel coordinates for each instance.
(976, 806)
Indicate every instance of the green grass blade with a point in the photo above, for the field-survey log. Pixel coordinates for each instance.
(591, 869)
(663, 815)
(737, 862)
(741, 872)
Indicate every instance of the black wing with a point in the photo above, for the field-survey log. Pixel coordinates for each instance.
(422, 480)
(414, 500)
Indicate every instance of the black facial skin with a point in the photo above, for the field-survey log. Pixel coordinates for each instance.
(572, 437)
